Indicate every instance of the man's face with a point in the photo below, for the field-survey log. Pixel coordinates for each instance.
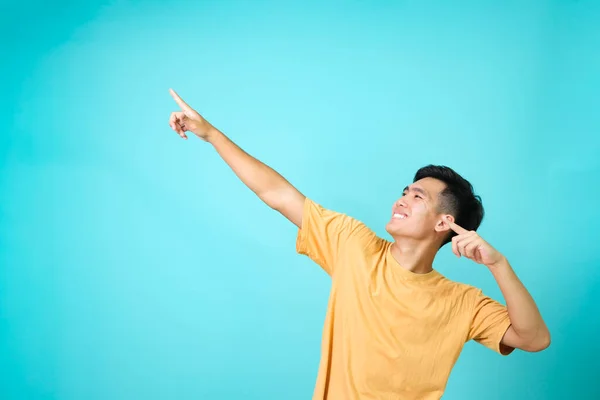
(416, 213)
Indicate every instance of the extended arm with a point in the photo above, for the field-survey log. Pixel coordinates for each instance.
(268, 184)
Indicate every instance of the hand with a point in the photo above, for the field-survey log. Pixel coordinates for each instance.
(189, 120)
(471, 245)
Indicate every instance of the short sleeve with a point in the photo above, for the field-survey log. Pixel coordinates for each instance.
(324, 234)
(489, 323)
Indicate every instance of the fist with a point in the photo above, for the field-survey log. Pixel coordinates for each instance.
(189, 120)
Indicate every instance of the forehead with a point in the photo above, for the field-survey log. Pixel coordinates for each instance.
(431, 186)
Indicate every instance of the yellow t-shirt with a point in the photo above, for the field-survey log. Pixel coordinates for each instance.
(389, 333)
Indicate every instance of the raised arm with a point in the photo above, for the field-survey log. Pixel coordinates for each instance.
(265, 182)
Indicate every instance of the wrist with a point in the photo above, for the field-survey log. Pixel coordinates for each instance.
(212, 134)
(500, 264)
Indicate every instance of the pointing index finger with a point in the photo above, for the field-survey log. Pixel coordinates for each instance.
(456, 228)
(180, 101)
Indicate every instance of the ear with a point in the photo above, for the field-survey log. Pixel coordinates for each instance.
(442, 223)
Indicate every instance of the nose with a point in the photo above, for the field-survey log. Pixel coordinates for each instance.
(401, 203)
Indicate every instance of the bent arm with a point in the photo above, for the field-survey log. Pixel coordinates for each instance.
(528, 331)
(265, 182)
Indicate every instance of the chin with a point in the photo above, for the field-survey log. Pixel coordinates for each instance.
(393, 229)
(387, 229)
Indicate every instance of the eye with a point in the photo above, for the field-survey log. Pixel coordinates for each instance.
(418, 196)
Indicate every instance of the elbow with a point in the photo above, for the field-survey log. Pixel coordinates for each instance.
(275, 198)
(271, 198)
(545, 342)
(541, 343)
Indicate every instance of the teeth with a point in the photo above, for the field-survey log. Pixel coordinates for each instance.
(400, 216)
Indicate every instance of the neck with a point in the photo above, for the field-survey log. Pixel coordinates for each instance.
(414, 255)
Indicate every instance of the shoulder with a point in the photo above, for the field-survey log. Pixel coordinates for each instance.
(327, 229)
(465, 293)
(331, 218)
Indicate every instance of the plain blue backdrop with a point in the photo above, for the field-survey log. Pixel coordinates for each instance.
(134, 265)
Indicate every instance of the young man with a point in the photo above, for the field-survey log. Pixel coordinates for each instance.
(394, 326)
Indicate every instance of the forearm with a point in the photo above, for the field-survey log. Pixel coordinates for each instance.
(524, 315)
(259, 177)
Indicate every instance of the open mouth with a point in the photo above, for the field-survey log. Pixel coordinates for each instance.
(399, 216)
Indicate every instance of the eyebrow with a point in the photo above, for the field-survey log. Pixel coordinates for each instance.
(418, 190)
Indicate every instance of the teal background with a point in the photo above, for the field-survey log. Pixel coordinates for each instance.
(134, 265)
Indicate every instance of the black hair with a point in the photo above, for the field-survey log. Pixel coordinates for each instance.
(457, 199)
